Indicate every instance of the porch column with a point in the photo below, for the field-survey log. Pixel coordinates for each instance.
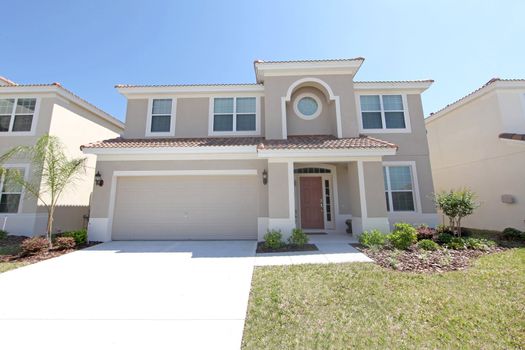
(366, 179)
(281, 201)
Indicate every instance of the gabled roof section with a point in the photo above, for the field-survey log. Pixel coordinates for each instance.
(4, 81)
(302, 67)
(63, 92)
(490, 85)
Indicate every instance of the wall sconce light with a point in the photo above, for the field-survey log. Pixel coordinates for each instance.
(265, 177)
(98, 179)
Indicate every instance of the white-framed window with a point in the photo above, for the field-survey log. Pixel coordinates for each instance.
(384, 113)
(17, 115)
(234, 115)
(11, 191)
(400, 187)
(161, 117)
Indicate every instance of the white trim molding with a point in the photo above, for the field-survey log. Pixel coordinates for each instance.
(408, 87)
(384, 130)
(149, 118)
(317, 101)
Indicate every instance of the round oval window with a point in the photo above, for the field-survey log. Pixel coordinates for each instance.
(307, 106)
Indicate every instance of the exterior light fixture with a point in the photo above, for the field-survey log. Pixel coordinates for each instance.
(265, 177)
(98, 179)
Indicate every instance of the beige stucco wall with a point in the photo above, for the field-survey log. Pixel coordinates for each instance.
(101, 195)
(374, 189)
(465, 151)
(353, 186)
(278, 203)
(136, 116)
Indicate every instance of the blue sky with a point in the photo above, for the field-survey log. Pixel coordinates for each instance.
(90, 46)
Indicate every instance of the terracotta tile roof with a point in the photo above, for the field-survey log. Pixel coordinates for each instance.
(7, 81)
(184, 85)
(293, 142)
(308, 61)
(511, 136)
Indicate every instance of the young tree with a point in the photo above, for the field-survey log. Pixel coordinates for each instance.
(456, 205)
(51, 172)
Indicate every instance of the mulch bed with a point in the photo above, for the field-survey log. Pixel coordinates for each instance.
(416, 260)
(36, 257)
(287, 248)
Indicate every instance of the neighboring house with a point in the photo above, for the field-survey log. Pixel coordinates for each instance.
(479, 142)
(305, 146)
(28, 112)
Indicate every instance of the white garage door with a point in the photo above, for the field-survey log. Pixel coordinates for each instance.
(185, 207)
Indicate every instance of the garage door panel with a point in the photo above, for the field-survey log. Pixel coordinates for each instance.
(186, 207)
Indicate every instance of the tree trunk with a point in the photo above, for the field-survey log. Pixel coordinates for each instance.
(459, 227)
(50, 214)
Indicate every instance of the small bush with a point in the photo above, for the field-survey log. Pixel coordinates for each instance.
(425, 232)
(403, 236)
(427, 244)
(444, 238)
(79, 236)
(442, 229)
(457, 243)
(479, 243)
(34, 245)
(298, 238)
(273, 239)
(3, 234)
(511, 233)
(374, 238)
(63, 243)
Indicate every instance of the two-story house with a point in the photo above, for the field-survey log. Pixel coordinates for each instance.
(478, 142)
(305, 146)
(26, 113)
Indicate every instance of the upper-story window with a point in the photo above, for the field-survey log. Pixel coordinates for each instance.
(234, 115)
(161, 117)
(383, 113)
(17, 114)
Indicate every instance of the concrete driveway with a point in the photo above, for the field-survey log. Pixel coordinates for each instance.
(158, 295)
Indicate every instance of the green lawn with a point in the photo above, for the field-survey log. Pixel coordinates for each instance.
(363, 306)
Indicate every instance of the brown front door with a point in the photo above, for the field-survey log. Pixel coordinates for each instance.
(311, 202)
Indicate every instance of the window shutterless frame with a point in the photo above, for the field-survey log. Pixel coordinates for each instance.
(34, 118)
(415, 185)
(149, 118)
(212, 132)
(383, 129)
(25, 169)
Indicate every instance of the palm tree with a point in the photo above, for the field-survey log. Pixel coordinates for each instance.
(51, 172)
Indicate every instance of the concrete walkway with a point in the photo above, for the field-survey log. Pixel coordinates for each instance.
(333, 248)
(130, 295)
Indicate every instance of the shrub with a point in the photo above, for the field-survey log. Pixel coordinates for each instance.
(427, 244)
(34, 245)
(298, 237)
(513, 234)
(403, 236)
(479, 243)
(444, 238)
(3, 234)
(79, 236)
(457, 243)
(62, 243)
(425, 232)
(374, 238)
(273, 239)
(456, 205)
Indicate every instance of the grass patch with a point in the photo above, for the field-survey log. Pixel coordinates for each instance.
(363, 306)
(10, 250)
(6, 266)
